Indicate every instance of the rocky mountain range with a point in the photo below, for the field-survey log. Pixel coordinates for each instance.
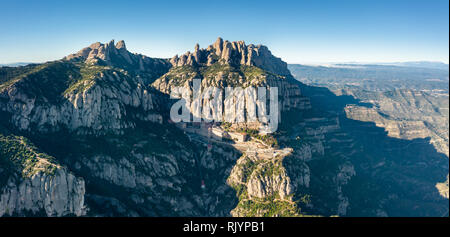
(90, 135)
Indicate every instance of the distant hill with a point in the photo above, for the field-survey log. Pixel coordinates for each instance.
(372, 77)
(18, 64)
(421, 64)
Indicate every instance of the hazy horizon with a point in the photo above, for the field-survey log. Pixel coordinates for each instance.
(303, 63)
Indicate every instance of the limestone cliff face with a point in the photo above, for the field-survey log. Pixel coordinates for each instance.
(231, 64)
(97, 103)
(58, 194)
(34, 183)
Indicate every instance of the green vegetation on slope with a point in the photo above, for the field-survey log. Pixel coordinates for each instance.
(50, 82)
(267, 139)
(19, 155)
(87, 74)
(217, 74)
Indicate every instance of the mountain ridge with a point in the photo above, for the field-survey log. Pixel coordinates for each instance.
(104, 120)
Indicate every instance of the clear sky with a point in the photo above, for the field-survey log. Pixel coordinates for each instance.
(297, 31)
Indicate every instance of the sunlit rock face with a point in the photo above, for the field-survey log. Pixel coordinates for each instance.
(61, 194)
(233, 53)
(99, 105)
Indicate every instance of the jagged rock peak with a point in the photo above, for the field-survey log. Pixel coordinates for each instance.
(232, 53)
(98, 50)
(117, 55)
(121, 45)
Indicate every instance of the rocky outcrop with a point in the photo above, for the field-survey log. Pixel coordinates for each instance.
(233, 53)
(60, 194)
(346, 171)
(263, 187)
(261, 177)
(118, 56)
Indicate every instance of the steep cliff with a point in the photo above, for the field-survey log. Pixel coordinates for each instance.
(33, 183)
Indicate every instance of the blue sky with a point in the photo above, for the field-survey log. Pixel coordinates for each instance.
(297, 31)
